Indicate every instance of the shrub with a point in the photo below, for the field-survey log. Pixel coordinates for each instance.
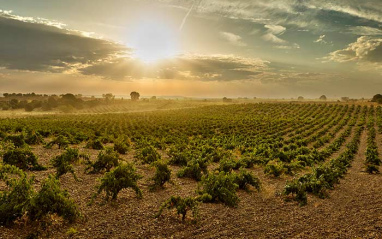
(123, 176)
(246, 162)
(228, 164)
(297, 190)
(22, 158)
(14, 200)
(219, 187)
(51, 199)
(162, 174)
(179, 157)
(94, 144)
(64, 162)
(147, 154)
(194, 169)
(61, 141)
(371, 168)
(34, 138)
(17, 140)
(245, 178)
(121, 146)
(182, 206)
(275, 168)
(106, 160)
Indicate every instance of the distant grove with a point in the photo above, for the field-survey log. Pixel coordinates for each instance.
(69, 102)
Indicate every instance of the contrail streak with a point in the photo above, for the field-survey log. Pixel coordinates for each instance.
(185, 18)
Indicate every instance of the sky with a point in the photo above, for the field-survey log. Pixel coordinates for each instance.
(193, 48)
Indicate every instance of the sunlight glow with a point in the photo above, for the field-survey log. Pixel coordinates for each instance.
(153, 41)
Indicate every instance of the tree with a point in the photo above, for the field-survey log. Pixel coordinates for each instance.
(300, 98)
(134, 96)
(345, 99)
(225, 99)
(69, 97)
(323, 97)
(377, 98)
(108, 96)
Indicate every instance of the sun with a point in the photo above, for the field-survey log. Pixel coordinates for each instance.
(153, 41)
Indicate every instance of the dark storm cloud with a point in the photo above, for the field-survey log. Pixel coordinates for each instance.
(39, 45)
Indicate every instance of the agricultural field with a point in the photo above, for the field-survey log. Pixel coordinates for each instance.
(248, 170)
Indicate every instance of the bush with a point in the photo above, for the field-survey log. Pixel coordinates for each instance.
(245, 178)
(194, 169)
(34, 138)
(275, 168)
(179, 156)
(61, 141)
(17, 140)
(228, 164)
(162, 174)
(371, 168)
(298, 191)
(147, 154)
(220, 187)
(94, 144)
(22, 158)
(14, 200)
(64, 162)
(246, 162)
(123, 176)
(51, 199)
(121, 146)
(182, 205)
(106, 160)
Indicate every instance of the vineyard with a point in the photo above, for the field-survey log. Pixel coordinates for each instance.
(268, 170)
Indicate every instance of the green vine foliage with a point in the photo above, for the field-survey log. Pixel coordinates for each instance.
(34, 138)
(147, 154)
(220, 187)
(64, 162)
(244, 179)
(195, 169)
(51, 199)
(17, 140)
(16, 198)
(182, 206)
(121, 177)
(22, 158)
(95, 144)
(122, 145)
(162, 174)
(61, 141)
(275, 168)
(106, 160)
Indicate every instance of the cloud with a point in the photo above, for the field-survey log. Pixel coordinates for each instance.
(184, 67)
(273, 32)
(365, 49)
(315, 15)
(232, 38)
(35, 44)
(40, 45)
(365, 31)
(321, 40)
